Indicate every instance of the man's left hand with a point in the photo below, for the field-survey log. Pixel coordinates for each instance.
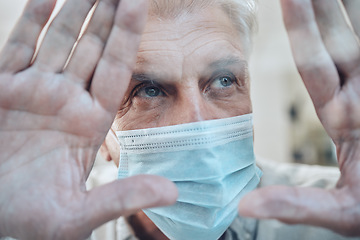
(326, 50)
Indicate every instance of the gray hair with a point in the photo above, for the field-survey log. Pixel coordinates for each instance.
(241, 12)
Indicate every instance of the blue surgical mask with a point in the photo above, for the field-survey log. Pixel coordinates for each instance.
(212, 164)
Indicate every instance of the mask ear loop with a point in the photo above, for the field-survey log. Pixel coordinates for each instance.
(113, 134)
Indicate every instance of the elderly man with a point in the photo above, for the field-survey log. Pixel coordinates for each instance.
(182, 111)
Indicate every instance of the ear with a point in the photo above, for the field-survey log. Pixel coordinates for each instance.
(104, 152)
(110, 149)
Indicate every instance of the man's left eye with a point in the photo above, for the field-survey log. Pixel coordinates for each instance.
(222, 81)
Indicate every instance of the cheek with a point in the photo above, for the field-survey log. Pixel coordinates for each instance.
(141, 114)
(230, 108)
(232, 103)
(145, 105)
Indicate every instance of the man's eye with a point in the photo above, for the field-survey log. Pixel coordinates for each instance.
(222, 82)
(149, 92)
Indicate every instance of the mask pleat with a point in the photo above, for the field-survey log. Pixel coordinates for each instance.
(215, 192)
(204, 164)
(185, 213)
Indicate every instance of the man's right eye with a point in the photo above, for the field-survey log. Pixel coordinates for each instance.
(149, 92)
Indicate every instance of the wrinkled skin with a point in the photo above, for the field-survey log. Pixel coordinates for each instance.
(53, 120)
(327, 55)
(188, 69)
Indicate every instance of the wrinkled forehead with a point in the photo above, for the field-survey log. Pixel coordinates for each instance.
(171, 9)
(191, 40)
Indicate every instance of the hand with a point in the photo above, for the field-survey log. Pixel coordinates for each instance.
(54, 116)
(327, 53)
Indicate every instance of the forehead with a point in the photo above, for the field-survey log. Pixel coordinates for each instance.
(203, 36)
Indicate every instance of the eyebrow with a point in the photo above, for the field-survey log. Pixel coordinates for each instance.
(142, 77)
(213, 66)
(228, 61)
(149, 78)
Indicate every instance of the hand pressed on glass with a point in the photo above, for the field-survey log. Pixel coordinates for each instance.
(327, 53)
(53, 120)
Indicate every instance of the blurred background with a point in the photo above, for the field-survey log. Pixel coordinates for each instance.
(286, 126)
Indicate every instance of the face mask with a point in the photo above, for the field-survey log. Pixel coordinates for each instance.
(212, 164)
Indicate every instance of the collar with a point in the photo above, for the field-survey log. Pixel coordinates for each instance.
(241, 228)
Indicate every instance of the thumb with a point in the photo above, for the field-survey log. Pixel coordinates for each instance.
(127, 196)
(295, 205)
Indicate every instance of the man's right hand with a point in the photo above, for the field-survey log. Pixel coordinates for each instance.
(55, 113)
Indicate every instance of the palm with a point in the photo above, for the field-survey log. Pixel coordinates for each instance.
(69, 126)
(327, 53)
(67, 109)
(53, 120)
(345, 106)
(59, 143)
(340, 118)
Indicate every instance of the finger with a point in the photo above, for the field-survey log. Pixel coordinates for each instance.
(311, 57)
(337, 36)
(114, 70)
(353, 11)
(20, 47)
(92, 43)
(62, 35)
(127, 196)
(309, 206)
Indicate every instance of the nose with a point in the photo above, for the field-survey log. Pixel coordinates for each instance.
(190, 106)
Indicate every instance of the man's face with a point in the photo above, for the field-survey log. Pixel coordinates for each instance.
(189, 69)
